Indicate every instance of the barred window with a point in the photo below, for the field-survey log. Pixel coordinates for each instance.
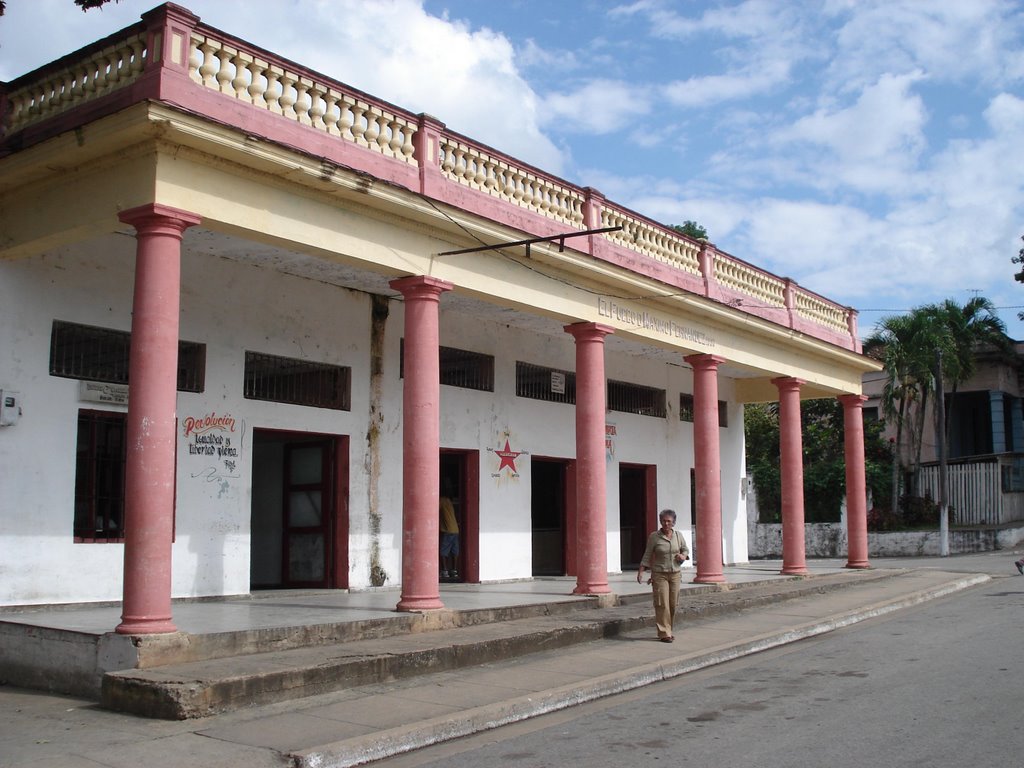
(685, 407)
(541, 383)
(686, 410)
(460, 368)
(469, 370)
(91, 353)
(636, 398)
(299, 382)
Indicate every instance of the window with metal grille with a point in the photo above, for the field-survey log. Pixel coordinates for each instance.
(299, 382)
(460, 368)
(91, 353)
(636, 398)
(686, 410)
(99, 476)
(541, 383)
(685, 407)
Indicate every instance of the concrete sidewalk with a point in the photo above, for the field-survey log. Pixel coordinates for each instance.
(366, 723)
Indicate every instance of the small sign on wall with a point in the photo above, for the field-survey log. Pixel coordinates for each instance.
(103, 392)
(557, 382)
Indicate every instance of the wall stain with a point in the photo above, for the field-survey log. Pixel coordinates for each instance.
(379, 311)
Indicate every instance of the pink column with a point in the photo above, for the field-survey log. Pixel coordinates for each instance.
(591, 498)
(856, 484)
(707, 468)
(792, 460)
(421, 442)
(153, 380)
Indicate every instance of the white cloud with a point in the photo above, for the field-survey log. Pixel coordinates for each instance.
(869, 146)
(597, 107)
(707, 91)
(467, 78)
(749, 19)
(951, 40)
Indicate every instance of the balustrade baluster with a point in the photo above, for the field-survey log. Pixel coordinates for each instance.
(239, 81)
(345, 118)
(302, 104)
(383, 138)
(447, 158)
(316, 107)
(372, 130)
(287, 98)
(274, 89)
(208, 69)
(223, 72)
(407, 141)
(358, 119)
(331, 111)
(394, 128)
(256, 85)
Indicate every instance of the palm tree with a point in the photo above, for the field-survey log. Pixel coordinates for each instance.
(897, 344)
(971, 327)
(921, 351)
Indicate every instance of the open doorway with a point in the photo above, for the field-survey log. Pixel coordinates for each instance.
(460, 482)
(638, 514)
(299, 513)
(550, 493)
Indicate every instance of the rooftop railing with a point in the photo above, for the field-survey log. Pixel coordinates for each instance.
(171, 57)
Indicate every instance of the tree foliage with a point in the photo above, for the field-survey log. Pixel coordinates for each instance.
(1019, 277)
(691, 229)
(824, 460)
(85, 5)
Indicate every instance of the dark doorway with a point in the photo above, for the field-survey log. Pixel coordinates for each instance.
(637, 511)
(460, 481)
(299, 521)
(548, 495)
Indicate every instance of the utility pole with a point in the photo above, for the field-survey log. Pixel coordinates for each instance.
(940, 429)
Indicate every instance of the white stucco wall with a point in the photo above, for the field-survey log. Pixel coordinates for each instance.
(232, 308)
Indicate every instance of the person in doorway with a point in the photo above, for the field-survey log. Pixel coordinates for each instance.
(666, 552)
(449, 538)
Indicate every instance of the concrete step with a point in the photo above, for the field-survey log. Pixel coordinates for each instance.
(206, 687)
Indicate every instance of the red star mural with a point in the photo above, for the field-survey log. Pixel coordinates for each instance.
(508, 458)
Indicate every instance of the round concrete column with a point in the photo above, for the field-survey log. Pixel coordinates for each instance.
(707, 468)
(150, 455)
(421, 442)
(794, 559)
(856, 483)
(591, 496)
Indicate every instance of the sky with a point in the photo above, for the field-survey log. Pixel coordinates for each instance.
(871, 150)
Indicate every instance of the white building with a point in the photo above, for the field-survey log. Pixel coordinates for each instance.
(291, 203)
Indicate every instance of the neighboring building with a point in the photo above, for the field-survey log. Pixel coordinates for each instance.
(986, 439)
(293, 253)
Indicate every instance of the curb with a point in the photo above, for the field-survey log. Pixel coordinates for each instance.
(396, 741)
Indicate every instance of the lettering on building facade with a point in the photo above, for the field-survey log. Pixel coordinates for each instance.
(637, 318)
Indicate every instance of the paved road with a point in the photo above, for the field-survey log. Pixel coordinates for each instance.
(938, 685)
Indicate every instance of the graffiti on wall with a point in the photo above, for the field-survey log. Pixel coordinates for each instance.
(505, 460)
(216, 440)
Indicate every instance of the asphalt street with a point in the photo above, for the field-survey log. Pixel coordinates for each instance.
(936, 685)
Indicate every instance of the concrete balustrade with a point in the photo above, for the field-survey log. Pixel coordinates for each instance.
(171, 55)
(743, 278)
(652, 240)
(100, 73)
(476, 168)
